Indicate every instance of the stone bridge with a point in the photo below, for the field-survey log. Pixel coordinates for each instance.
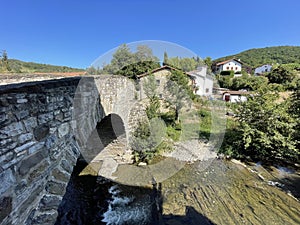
(44, 127)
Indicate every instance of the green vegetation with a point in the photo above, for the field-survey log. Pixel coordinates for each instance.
(129, 64)
(146, 138)
(280, 78)
(16, 66)
(263, 129)
(145, 143)
(4, 65)
(184, 64)
(205, 123)
(270, 55)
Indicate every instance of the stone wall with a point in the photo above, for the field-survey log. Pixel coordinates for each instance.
(37, 149)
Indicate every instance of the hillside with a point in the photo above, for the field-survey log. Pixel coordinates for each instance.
(17, 66)
(259, 56)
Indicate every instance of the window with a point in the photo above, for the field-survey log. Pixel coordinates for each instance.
(232, 68)
(227, 97)
(207, 90)
(227, 67)
(158, 82)
(236, 68)
(160, 96)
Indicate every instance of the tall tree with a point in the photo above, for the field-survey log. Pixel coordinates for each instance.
(166, 58)
(121, 58)
(4, 61)
(144, 53)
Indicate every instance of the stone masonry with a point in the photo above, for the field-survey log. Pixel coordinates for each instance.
(43, 127)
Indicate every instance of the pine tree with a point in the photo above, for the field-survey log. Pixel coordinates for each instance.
(165, 62)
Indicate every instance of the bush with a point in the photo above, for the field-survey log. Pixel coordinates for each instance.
(227, 73)
(145, 140)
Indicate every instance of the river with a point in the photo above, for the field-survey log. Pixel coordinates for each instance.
(210, 192)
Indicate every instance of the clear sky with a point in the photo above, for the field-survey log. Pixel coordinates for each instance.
(76, 32)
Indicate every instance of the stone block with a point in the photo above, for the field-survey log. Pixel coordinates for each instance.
(49, 202)
(5, 142)
(30, 123)
(25, 137)
(8, 147)
(63, 129)
(7, 180)
(22, 100)
(5, 207)
(36, 147)
(56, 188)
(24, 146)
(28, 204)
(45, 118)
(60, 175)
(51, 141)
(41, 132)
(21, 187)
(3, 101)
(15, 160)
(48, 218)
(6, 158)
(3, 118)
(21, 114)
(30, 162)
(40, 169)
(66, 166)
(13, 129)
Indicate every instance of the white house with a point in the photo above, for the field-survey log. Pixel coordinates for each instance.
(234, 96)
(263, 69)
(231, 64)
(202, 81)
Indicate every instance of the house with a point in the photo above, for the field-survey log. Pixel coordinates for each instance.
(234, 65)
(234, 96)
(202, 81)
(161, 76)
(262, 69)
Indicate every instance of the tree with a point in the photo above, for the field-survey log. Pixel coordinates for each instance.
(4, 61)
(144, 53)
(179, 91)
(129, 64)
(150, 88)
(184, 64)
(146, 139)
(121, 58)
(281, 75)
(166, 58)
(266, 128)
(208, 61)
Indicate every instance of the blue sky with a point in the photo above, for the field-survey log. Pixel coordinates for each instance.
(75, 33)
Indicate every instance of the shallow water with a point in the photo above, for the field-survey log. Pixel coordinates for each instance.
(211, 192)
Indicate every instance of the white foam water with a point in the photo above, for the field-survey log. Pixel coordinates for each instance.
(124, 210)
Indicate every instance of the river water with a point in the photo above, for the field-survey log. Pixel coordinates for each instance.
(212, 192)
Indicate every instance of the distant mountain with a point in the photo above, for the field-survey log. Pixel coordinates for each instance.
(258, 56)
(17, 66)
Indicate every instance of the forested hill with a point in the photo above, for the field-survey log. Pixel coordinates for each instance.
(17, 66)
(259, 56)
